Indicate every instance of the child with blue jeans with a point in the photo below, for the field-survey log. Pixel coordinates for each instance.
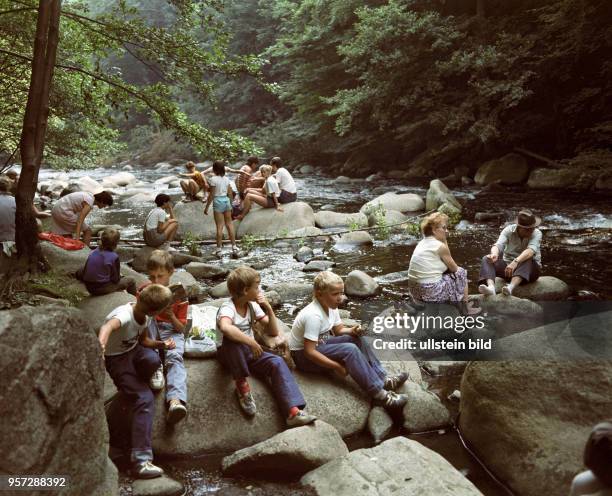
(169, 324)
(319, 342)
(243, 356)
(131, 360)
(220, 195)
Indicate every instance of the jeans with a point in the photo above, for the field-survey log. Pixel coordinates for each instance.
(238, 358)
(176, 375)
(357, 357)
(131, 373)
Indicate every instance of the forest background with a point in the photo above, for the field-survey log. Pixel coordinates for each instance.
(353, 86)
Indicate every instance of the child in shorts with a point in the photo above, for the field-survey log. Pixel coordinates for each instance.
(220, 196)
(243, 356)
(319, 342)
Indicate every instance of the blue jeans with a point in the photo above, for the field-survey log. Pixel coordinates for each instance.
(238, 358)
(176, 375)
(357, 357)
(131, 373)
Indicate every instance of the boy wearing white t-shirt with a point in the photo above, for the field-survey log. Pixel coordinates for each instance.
(286, 183)
(243, 356)
(319, 342)
(131, 361)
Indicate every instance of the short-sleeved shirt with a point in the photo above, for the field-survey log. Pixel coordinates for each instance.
(513, 245)
(126, 337)
(66, 211)
(155, 216)
(7, 217)
(312, 323)
(285, 180)
(244, 179)
(220, 183)
(102, 267)
(228, 310)
(272, 186)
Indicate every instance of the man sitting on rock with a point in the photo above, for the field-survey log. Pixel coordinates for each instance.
(515, 256)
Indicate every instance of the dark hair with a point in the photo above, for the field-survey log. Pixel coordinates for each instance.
(252, 160)
(161, 199)
(275, 162)
(598, 452)
(219, 167)
(104, 197)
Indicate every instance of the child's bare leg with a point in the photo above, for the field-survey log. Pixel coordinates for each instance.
(219, 221)
(170, 231)
(227, 216)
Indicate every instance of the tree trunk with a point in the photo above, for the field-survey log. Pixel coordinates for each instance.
(32, 141)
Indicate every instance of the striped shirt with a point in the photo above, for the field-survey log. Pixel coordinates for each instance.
(244, 179)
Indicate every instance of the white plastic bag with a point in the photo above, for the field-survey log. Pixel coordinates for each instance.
(201, 342)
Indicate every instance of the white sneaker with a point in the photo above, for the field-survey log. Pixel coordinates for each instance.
(486, 290)
(147, 470)
(176, 412)
(506, 291)
(157, 381)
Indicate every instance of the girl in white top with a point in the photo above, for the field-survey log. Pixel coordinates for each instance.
(221, 192)
(433, 274)
(272, 192)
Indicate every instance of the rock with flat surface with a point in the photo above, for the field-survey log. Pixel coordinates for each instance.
(379, 424)
(553, 178)
(358, 283)
(405, 202)
(318, 265)
(201, 270)
(326, 218)
(271, 222)
(546, 288)
(355, 238)
(98, 307)
(438, 194)
(191, 219)
(398, 466)
(509, 169)
(292, 452)
(424, 411)
(160, 486)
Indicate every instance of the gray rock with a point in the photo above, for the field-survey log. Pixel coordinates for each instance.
(192, 220)
(424, 410)
(379, 424)
(509, 169)
(52, 413)
(64, 261)
(219, 291)
(327, 218)
(164, 180)
(360, 284)
(141, 257)
(372, 177)
(96, 308)
(438, 194)
(356, 238)
(318, 265)
(306, 231)
(140, 199)
(293, 290)
(445, 367)
(188, 281)
(212, 403)
(304, 254)
(179, 259)
(510, 306)
(272, 296)
(292, 452)
(529, 419)
(160, 486)
(398, 466)
(122, 178)
(201, 270)
(270, 222)
(406, 202)
(546, 288)
(553, 178)
(390, 217)
(307, 169)
(87, 184)
(343, 180)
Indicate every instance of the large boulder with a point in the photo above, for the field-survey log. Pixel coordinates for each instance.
(397, 466)
(553, 178)
(326, 218)
(528, 421)
(438, 194)
(318, 265)
(188, 281)
(292, 452)
(546, 288)
(191, 219)
(201, 270)
(355, 238)
(219, 291)
(52, 390)
(405, 202)
(509, 306)
(64, 261)
(160, 486)
(122, 178)
(306, 231)
(358, 283)
(215, 422)
(424, 411)
(271, 222)
(96, 308)
(88, 184)
(379, 424)
(509, 169)
(292, 290)
(390, 217)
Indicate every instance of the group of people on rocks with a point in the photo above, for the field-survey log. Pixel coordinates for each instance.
(435, 277)
(137, 338)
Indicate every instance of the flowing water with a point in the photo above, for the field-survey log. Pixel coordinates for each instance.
(577, 231)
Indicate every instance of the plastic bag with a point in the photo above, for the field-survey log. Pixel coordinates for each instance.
(202, 340)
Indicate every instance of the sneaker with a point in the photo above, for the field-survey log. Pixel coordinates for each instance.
(247, 403)
(392, 401)
(300, 418)
(157, 381)
(147, 470)
(486, 290)
(176, 412)
(395, 381)
(506, 291)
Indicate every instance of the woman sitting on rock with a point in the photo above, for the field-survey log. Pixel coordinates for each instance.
(69, 213)
(433, 275)
(267, 198)
(158, 229)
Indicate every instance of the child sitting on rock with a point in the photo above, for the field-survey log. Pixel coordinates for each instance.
(169, 324)
(101, 274)
(243, 356)
(131, 361)
(194, 183)
(267, 197)
(319, 342)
